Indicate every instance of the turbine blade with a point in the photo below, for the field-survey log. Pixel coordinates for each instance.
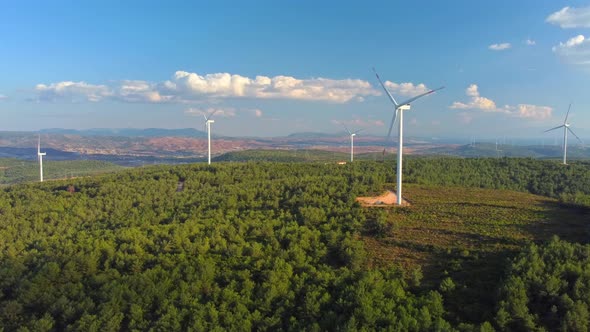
(386, 91)
(211, 115)
(568, 113)
(356, 132)
(392, 123)
(205, 117)
(348, 131)
(553, 128)
(571, 131)
(420, 96)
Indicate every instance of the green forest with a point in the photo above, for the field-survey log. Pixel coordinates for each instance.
(18, 171)
(285, 246)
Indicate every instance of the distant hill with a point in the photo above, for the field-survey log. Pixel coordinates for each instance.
(129, 132)
(31, 153)
(305, 135)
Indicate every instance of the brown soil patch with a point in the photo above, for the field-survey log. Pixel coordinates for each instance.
(388, 198)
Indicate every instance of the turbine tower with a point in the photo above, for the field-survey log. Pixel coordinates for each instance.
(208, 123)
(399, 109)
(352, 135)
(566, 128)
(40, 158)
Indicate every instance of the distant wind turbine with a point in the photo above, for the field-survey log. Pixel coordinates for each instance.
(399, 108)
(497, 150)
(566, 128)
(40, 159)
(352, 135)
(208, 123)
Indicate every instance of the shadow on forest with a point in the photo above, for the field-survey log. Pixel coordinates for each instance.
(570, 222)
(479, 274)
(477, 262)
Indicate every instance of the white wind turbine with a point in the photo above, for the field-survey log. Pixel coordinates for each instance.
(399, 108)
(208, 123)
(40, 158)
(352, 135)
(566, 128)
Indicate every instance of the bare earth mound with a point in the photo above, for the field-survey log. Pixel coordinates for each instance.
(388, 198)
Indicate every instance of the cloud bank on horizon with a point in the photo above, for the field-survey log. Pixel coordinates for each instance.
(186, 87)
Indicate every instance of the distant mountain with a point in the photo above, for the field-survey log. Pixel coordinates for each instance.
(304, 135)
(129, 132)
(31, 153)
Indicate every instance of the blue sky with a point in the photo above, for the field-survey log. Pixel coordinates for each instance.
(510, 67)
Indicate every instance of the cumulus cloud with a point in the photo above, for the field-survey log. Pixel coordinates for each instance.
(575, 50)
(128, 91)
(217, 112)
(406, 89)
(186, 87)
(477, 102)
(139, 91)
(76, 91)
(569, 17)
(500, 47)
(192, 85)
(530, 42)
(531, 111)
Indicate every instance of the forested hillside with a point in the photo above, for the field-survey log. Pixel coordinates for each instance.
(258, 246)
(240, 247)
(19, 171)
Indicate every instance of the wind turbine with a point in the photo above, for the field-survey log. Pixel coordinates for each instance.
(497, 151)
(399, 108)
(40, 158)
(352, 135)
(208, 123)
(566, 128)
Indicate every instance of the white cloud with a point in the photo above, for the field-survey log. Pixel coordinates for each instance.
(500, 47)
(532, 112)
(477, 102)
(530, 42)
(217, 112)
(186, 86)
(406, 89)
(76, 91)
(569, 17)
(575, 50)
(3, 97)
(139, 91)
